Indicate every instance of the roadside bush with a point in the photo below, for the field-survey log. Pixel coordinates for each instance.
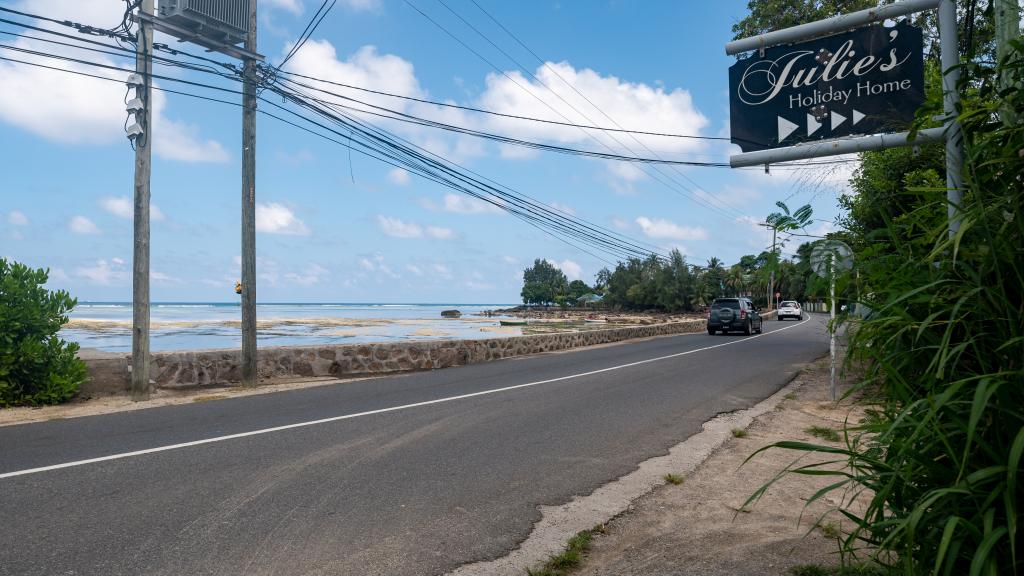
(36, 367)
(939, 465)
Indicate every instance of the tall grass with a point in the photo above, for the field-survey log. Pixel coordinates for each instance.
(938, 467)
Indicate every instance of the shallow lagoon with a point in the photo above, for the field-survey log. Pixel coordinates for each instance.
(187, 326)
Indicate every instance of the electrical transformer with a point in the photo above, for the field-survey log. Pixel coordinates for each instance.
(221, 21)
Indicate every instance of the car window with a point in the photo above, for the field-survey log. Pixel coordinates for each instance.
(734, 304)
(789, 303)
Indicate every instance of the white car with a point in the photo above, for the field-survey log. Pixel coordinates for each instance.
(790, 309)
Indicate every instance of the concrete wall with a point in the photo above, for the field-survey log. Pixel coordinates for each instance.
(190, 369)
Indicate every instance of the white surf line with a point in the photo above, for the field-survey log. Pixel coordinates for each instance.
(372, 412)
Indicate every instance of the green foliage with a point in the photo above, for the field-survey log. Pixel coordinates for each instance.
(560, 564)
(939, 463)
(543, 283)
(824, 433)
(36, 367)
(674, 479)
(578, 288)
(767, 15)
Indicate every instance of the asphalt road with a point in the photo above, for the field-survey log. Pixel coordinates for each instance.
(380, 487)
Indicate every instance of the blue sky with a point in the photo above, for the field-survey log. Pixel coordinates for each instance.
(331, 229)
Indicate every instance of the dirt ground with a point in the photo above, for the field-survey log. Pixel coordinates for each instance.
(698, 527)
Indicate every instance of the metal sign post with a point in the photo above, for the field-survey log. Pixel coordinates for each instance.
(827, 259)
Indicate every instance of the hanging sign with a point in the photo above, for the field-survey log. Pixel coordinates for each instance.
(866, 81)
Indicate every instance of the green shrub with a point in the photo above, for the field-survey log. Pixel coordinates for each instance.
(36, 367)
(939, 466)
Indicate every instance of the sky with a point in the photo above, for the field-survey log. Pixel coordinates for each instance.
(339, 227)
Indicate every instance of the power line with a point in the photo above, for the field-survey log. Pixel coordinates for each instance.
(494, 113)
(314, 23)
(403, 117)
(544, 63)
(686, 194)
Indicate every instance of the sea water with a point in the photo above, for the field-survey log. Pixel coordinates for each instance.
(212, 325)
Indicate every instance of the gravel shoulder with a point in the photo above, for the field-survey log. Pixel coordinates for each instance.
(700, 527)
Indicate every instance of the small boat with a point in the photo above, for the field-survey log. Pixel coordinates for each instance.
(512, 322)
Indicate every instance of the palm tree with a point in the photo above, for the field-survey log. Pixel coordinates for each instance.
(736, 280)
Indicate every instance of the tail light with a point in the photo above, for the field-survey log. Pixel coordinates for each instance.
(743, 314)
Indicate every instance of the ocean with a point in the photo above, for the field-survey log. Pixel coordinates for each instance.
(215, 325)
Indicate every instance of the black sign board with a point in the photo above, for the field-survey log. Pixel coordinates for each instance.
(867, 81)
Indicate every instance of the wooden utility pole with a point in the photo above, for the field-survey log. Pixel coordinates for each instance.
(249, 374)
(143, 162)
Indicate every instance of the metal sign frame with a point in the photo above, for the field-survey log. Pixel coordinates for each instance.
(950, 60)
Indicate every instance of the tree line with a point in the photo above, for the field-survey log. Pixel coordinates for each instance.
(675, 285)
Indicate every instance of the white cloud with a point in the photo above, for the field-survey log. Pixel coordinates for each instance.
(730, 197)
(274, 218)
(478, 285)
(87, 111)
(758, 236)
(15, 218)
(82, 225)
(181, 141)
(103, 272)
(122, 207)
(664, 229)
(620, 224)
(510, 260)
(376, 264)
(442, 270)
(398, 176)
(414, 269)
(440, 233)
(624, 177)
(563, 208)
(293, 6)
(313, 274)
(823, 228)
(467, 205)
(362, 5)
(387, 73)
(397, 228)
(632, 105)
(161, 278)
(572, 270)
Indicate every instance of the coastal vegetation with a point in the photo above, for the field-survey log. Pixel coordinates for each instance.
(36, 367)
(930, 481)
(674, 285)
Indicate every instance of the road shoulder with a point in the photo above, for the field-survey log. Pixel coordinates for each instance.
(699, 527)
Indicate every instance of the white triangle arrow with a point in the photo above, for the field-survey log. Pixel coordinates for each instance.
(785, 128)
(812, 125)
(857, 116)
(837, 119)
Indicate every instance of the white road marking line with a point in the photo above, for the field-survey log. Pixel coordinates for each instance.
(372, 412)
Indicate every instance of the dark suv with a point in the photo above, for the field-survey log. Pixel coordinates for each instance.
(734, 314)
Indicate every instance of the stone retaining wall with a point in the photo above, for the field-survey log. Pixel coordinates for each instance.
(190, 369)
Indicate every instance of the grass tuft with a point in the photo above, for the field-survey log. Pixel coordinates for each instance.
(824, 433)
(674, 479)
(560, 564)
(852, 570)
(739, 432)
(830, 530)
